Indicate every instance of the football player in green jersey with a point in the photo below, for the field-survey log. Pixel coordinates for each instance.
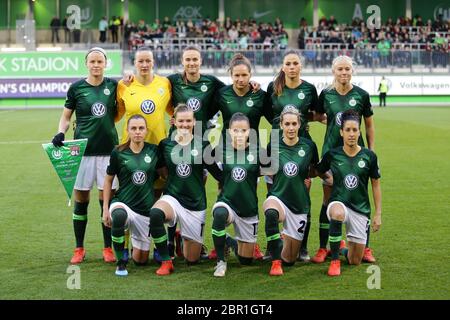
(352, 167)
(184, 198)
(288, 199)
(237, 202)
(93, 100)
(136, 164)
(333, 101)
(289, 90)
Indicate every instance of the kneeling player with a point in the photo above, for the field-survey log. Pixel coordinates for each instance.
(352, 166)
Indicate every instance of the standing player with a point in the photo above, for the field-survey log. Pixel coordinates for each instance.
(237, 203)
(352, 166)
(289, 90)
(239, 97)
(135, 164)
(288, 199)
(184, 198)
(342, 95)
(94, 102)
(149, 95)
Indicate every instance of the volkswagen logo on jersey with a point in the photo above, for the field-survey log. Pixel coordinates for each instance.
(147, 106)
(238, 174)
(57, 154)
(289, 108)
(183, 170)
(301, 96)
(98, 109)
(339, 118)
(204, 88)
(352, 102)
(194, 104)
(361, 164)
(351, 181)
(139, 178)
(250, 103)
(290, 169)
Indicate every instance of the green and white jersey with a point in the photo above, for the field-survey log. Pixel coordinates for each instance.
(95, 108)
(185, 168)
(351, 177)
(253, 105)
(199, 96)
(294, 163)
(303, 98)
(334, 104)
(241, 169)
(136, 173)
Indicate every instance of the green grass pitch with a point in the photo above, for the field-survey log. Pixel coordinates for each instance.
(412, 248)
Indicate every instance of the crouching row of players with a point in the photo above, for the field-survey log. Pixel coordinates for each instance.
(182, 162)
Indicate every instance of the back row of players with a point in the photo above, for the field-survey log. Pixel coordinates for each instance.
(146, 153)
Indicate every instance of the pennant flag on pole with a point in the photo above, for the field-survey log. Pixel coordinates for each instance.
(66, 161)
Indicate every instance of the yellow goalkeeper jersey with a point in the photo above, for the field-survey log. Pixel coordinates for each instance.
(150, 101)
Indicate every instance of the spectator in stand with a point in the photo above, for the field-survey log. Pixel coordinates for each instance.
(55, 24)
(66, 29)
(102, 28)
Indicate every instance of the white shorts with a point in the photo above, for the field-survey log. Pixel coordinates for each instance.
(245, 229)
(294, 225)
(356, 224)
(192, 223)
(93, 168)
(138, 226)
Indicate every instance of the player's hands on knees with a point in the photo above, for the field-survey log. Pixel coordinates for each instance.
(58, 140)
(106, 217)
(376, 222)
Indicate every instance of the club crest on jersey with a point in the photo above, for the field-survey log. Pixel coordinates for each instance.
(351, 181)
(194, 152)
(250, 158)
(339, 118)
(139, 177)
(98, 109)
(148, 106)
(301, 153)
(147, 158)
(290, 169)
(194, 104)
(106, 92)
(352, 102)
(204, 88)
(361, 164)
(290, 108)
(183, 170)
(161, 91)
(238, 174)
(57, 154)
(301, 95)
(250, 103)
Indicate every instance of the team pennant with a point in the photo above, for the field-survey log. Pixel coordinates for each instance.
(66, 161)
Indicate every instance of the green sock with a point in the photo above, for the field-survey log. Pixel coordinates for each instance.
(106, 230)
(335, 238)
(119, 218)
(158, 232)
(324, 227)
(80, 221)
(274, 243)
(220, 216)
